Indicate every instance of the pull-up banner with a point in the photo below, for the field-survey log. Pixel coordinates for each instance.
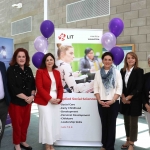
(78, 56)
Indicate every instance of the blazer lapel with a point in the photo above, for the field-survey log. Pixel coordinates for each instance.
(123, 75)
(46, 73)
(131, 78)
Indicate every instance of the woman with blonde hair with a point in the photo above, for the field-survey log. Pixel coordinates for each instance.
(131, 102)
(65, 55)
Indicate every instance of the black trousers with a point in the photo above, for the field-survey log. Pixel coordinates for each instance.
(108, 117)
(3, 117)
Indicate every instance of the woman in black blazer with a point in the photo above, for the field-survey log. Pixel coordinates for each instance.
(146, 95)
(21, 86)
(131, 102)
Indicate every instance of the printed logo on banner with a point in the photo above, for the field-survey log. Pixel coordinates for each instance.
(62, 36)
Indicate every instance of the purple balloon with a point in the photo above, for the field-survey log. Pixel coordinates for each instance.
(108, 40)
(116, 26)
(118, 55)
(41, 44)
(47, 28)
(37, 59)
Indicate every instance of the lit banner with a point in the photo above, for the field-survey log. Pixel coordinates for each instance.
(78, 55)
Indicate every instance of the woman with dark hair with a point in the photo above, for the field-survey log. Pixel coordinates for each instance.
(131, 102)
(48, 97)
(107, 89)
(89, 63)
(21, 86)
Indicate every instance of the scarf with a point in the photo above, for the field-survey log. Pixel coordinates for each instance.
(108, 79)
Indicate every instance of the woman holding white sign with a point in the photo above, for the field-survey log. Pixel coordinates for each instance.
(107, 89)
(66, 55)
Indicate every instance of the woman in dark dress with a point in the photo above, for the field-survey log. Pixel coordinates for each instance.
(131, 102)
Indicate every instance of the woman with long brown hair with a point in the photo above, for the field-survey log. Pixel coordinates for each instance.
(131, 102)
(21, 86)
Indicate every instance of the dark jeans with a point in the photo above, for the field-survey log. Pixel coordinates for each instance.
(131, 127)
(3, 116)
(108, 117)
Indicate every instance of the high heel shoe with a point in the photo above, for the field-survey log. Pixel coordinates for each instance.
(24, 147)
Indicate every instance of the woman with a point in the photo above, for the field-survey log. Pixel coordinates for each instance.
(89, 63)
(48, 97)
(131, 103)
(107, 89)
(21, 86)
(146, 96)
(65, 57)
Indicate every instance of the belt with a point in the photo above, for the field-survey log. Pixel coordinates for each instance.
(1, 100)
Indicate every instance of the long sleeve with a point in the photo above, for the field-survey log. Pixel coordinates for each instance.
(40, 89)
(33, 81)
(11, 79)
(82, 67)
(139, 84)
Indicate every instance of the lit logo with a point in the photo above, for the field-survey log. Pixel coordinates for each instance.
(62, 36)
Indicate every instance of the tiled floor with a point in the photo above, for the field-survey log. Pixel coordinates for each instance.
(143, 142)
